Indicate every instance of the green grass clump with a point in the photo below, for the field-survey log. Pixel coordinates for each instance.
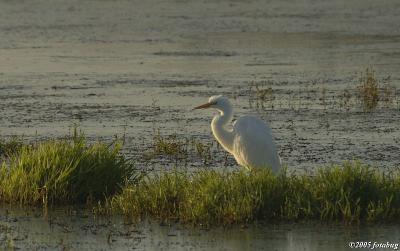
(10, 146)
(63, 171)
(348, 193)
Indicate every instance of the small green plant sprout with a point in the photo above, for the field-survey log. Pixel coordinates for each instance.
(323, 97)
(180, 149)
(345, 99)
(203, 150)
(368, 90)
(262, 94)
(170, 146)
(387, 94)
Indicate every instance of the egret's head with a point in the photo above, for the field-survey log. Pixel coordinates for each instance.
(217, 102)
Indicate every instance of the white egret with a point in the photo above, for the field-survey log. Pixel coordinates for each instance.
(249, 140)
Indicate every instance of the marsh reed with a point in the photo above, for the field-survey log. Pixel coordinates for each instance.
(350, 193)
(63, 171)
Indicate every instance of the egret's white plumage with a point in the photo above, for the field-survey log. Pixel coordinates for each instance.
(249, 140)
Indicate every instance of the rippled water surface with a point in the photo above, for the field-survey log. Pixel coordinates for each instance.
(34, 230)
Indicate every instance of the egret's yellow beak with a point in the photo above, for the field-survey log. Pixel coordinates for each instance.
(204, 106)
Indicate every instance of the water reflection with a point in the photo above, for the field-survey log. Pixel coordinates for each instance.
(62, 228)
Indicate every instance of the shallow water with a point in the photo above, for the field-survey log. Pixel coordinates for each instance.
(131, 68)
(35, 230)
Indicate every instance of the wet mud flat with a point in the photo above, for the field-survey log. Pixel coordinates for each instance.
(34, 229)
(136, 68)
(313, 125)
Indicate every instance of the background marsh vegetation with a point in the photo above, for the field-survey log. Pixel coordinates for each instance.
(368, 92)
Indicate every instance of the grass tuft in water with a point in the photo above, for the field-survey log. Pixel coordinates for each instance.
(368, 90)
(10, 146)
(63, 171)
(350, 193)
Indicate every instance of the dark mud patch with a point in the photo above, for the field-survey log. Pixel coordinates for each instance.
(196, 53)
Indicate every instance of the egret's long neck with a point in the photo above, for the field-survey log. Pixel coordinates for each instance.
(219, 128)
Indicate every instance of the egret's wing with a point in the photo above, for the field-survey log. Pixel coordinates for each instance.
(254, 145)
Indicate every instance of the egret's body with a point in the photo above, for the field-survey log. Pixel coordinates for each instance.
(249, 140)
